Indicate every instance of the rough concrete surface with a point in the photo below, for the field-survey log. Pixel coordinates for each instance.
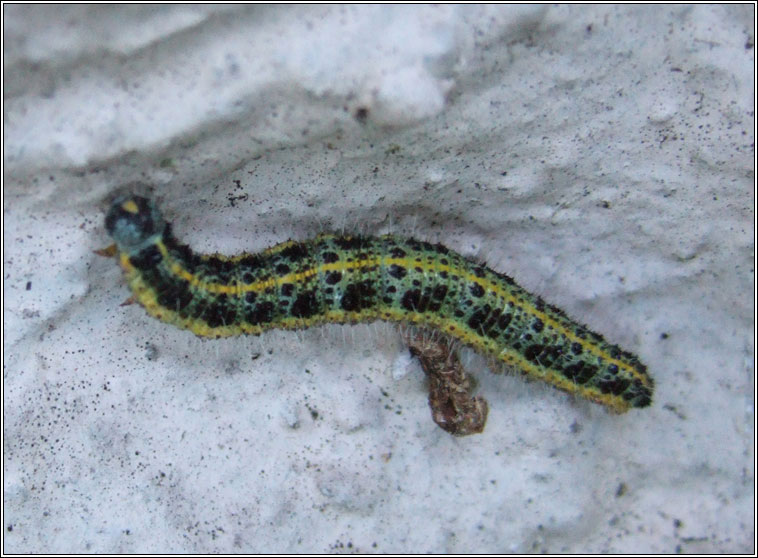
(603, 156)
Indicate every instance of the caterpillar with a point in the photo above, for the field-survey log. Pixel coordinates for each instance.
(352, 278)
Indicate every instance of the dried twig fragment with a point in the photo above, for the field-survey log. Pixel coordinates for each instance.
(453, 407)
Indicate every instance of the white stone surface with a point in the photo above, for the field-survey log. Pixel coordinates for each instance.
(603, 156)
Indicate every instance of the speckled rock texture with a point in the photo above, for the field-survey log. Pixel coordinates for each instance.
(603, 156)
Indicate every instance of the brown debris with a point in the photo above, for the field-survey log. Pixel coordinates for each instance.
(453, 407)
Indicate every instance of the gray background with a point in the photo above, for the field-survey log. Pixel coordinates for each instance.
(603, 156)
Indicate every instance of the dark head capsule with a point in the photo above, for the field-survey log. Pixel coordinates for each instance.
(133, 222)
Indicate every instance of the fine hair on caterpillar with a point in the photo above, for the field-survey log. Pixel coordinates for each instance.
(346, 279)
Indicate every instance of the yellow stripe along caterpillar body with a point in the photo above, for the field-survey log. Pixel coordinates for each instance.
(350, 279)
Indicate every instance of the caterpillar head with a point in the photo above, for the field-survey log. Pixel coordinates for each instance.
(133, 222)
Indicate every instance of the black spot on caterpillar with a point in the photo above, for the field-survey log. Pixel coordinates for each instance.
(349, 279)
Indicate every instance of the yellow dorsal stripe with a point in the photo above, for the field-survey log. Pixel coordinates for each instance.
(238, 289)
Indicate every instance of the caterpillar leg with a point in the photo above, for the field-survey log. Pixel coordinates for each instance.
(453, 407)
(111, 252)
(108, 251)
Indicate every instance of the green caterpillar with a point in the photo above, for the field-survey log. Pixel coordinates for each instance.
(349, 279)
